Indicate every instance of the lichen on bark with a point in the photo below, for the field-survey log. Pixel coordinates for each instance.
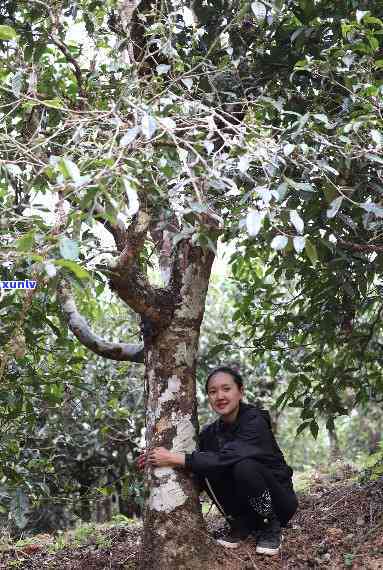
(167, 494)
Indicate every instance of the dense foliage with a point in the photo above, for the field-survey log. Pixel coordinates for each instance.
(258, 121)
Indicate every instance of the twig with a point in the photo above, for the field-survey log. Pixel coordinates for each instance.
(336, 502)
(77, 70)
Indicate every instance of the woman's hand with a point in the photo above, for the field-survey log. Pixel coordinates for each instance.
(141, 460)
(160, 457)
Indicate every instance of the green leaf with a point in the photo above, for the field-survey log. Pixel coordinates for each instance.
(372, 20)
(134, 204)
(148, 126)
(299, 243)
(281, 191)
(322, 118)
(373, 208)
(7, 33)
(25, 243)
(278, 4)
(297, 221)
(348, 559)
(374, 43)
(373, 459)
(301, 186)
(69, 248)
(307, 414)
(314, 428)
(225, 336)
(258, 9)
(74, 267)
(279, 242)
(330, 193)
(129, 136)
(379, 64)
(302, 63)
(311, 251)
(360, 14)
(17, 83)
(280, 399)
(302, 426)
(52, 103)
(305, 187)
(377, 137)
(162, 68)
(188, 82)
(288, 149)
(374, 158)
(69, 169)
(334, 207)
(254, 221)
(216, 350)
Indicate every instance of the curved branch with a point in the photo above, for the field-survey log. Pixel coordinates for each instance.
(76, 68)
(131, 284)
(117, 230)
(82, 331)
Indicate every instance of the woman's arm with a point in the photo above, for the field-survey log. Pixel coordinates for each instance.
(161, 457)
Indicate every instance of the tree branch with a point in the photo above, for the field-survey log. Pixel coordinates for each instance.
(82, 331)
(369, 248)
(118, 230)
(77, 70)
(132, 285)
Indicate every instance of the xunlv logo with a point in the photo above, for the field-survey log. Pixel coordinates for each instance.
(12, 285)
(26, 284)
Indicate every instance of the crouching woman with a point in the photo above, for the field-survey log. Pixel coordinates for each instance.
(239, 465)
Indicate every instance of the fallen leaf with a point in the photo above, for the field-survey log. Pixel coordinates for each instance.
(334, 533)
(31, 548)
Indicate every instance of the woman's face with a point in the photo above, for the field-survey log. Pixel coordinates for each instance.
(224, 395)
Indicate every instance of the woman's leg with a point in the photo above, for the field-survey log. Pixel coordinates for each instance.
(220, 487)
(224, 489)
(256, 485)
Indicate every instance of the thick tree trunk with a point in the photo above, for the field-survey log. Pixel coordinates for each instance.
(174, 535)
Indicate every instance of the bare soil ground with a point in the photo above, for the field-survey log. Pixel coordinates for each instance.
(338, 525)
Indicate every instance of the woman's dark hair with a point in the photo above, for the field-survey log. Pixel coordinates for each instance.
(233, 373)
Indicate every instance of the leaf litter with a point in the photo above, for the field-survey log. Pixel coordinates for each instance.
(339, 524)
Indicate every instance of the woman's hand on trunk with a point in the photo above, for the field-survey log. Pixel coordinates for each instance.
(161, 457)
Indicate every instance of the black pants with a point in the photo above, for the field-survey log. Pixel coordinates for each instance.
(248, 489)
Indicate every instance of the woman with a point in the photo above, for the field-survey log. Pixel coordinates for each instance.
(240, 466)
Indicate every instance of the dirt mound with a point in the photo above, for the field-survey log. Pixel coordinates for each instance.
(337, 526)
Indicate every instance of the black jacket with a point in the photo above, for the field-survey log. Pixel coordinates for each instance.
(223, 445)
